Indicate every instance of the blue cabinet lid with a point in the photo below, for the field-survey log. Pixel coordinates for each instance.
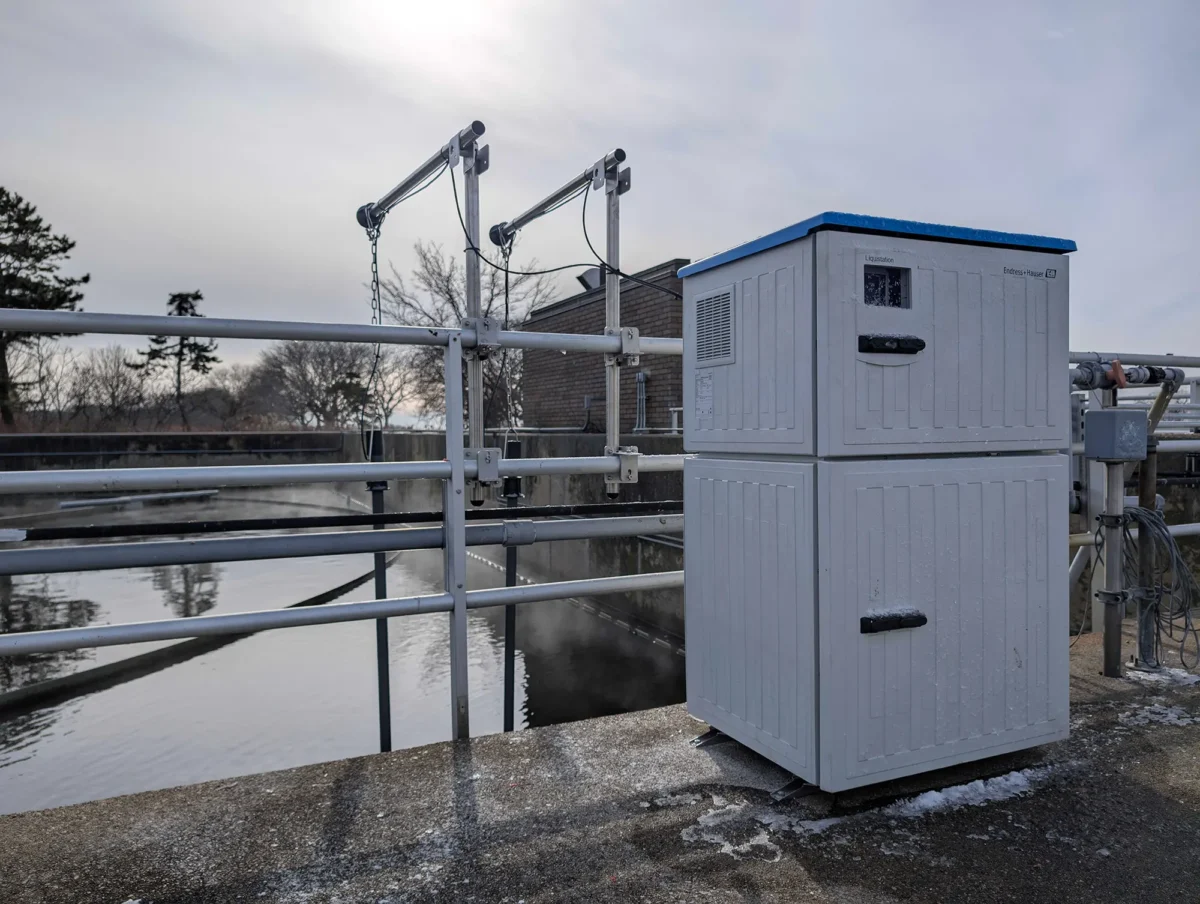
(853, 222)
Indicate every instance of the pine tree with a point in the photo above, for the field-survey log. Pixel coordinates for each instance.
(30, 258)
(181, 354)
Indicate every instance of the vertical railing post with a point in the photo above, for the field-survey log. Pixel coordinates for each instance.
(382, 666)
(1147, 607)
(612, 317)
(454, 539)
(1114, 610)
(474, 160)
(1096, 481)
(512, 496)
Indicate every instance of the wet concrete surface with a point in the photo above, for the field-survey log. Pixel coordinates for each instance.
(623, 809)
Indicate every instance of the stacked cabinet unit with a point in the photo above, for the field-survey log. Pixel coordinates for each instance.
(876, 517)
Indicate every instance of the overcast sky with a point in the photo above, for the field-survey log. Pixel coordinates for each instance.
(224, 146)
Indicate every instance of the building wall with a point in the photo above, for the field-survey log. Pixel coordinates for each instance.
(555, 384)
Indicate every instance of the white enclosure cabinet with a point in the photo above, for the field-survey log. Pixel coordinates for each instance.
(975, 546)
(894, 344)
(750, 625)
(876, 519)
(747, 355)
(978, 546)
(973, 359)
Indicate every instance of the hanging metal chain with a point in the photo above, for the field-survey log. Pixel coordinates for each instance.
(376, 319)
(376, 302)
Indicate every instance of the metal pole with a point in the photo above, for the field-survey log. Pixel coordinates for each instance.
(382, 667)
(465, 138)
(1147, 607)
(28, 642)
(612, 319)
(502, 232)
(1134, 359)
(474, 311)
(1099, 398)
(561, 590)
(73, 323)
(107, 480)
(454, 524)
(1114, 609)
(512, 496)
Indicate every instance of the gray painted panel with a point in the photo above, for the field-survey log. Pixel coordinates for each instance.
(762, 399)
(979, 546)
(749, 609)
(994, 323)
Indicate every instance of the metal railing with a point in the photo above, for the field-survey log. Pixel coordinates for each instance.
(453, 536)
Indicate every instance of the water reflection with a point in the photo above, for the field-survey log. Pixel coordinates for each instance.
(188, 590)
(39, 603)
(258, 703)
(35, 603)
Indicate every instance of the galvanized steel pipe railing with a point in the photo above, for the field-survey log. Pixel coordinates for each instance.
(219, 476)
(265, 620)
(80, 322)
(110, 556)
(1133, 358)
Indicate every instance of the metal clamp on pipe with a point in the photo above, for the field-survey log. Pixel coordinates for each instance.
(628, 470)
(486, 332)
(631, 346)
(487, 463)
(521, 532)
(1114, 597)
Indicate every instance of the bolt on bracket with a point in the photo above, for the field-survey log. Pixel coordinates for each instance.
(487, 462)
(631, 347)
(628, 470)
(487, 336)
(1114, 597)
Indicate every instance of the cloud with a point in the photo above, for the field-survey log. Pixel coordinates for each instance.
(225, 146)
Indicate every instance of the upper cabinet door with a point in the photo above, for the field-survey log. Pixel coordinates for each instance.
(932, 347)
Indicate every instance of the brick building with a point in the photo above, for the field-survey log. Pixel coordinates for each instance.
(555, 386)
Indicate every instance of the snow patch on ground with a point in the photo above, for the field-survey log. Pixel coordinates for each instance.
(780, 822)
(1163, 677)
(972, 794)
(721, 817)
(744, 831)
(677, 800)
(1158, 714)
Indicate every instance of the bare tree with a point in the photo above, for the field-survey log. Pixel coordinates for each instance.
(317, 384)
(391, 385)
(106, 394)
(42, 373)
(229, 396)
(435, 296)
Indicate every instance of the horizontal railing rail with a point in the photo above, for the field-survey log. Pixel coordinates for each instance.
(105, 480)
(110, 556)
(80, 322)
(331, 613)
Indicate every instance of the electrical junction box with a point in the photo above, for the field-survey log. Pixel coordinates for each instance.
(1115, 434)
(876, 519)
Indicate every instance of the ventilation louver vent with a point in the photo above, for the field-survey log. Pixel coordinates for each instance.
(714, 328)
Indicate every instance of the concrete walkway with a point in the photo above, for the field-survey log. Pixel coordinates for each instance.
(622, 809)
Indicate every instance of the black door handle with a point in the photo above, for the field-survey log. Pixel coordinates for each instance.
(891, 621)
(890, 345)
